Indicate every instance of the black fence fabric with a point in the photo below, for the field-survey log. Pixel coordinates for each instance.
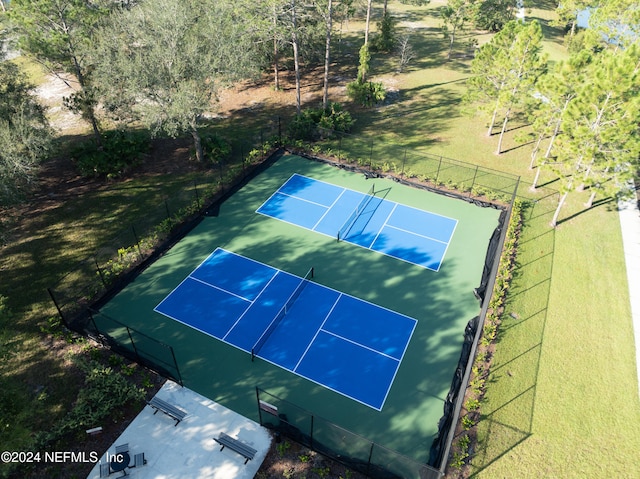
(118, 260)
(354, 451)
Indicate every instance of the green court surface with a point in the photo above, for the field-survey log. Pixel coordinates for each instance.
(442, 302)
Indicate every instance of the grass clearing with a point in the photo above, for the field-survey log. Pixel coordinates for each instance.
(562, 399)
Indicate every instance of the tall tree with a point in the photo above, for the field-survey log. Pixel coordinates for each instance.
(601, 146)
(504, 70)
(162, 61)
(368, 22)
(327, 55)
(493, 15)
(296, 53)
(554, 93)
(56, 34)
(568, 10)
(455, 16)
(526, 63)
(25, 136)
(616, 22)
(485, 85)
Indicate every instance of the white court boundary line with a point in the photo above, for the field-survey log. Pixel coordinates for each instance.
(395, 203)
(293, 371)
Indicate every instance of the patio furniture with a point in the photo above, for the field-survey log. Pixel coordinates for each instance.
(159, 405)
(238, 446)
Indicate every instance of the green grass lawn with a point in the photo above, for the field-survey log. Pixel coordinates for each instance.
(562, 396)
(562, 399)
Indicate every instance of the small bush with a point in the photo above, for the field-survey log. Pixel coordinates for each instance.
(315, 123)
(387, 38)
(366, 94)
(121, 151)
(216, 149)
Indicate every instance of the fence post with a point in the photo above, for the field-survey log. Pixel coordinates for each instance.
(195, 188)
(135, 350)
(438, 172)
(370, 456)
(93, 321)
(57, 306)
(473, 183)
(259, 409)
(173, 355)
(104, 283)
(135, 236)
(166, 206)
(371, 156)
(404, 161)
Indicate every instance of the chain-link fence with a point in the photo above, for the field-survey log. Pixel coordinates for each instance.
(354, 451)
(433, 171)
(115, 262)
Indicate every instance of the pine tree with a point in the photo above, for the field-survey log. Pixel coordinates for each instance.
(505, 69)
(554, 93)
(601, 146)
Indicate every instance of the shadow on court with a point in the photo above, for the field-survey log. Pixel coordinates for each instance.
(442, 302)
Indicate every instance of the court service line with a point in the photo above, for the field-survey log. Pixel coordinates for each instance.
(383, 225)
(328, 209)
(219, 288)
(446, 248)
(364, 346)
(316, 335)
(416, 234)
(302, 199)
(249, 307)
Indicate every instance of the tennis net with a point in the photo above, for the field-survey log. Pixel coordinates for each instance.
(281, 314)
(346, 227)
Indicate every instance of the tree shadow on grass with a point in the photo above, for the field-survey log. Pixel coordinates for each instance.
(509, 405)
(607, 202)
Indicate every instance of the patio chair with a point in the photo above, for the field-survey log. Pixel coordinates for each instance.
(139, 460)
(122, 448)
(105, 470)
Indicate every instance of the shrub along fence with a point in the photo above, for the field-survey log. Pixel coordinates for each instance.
(79, 295)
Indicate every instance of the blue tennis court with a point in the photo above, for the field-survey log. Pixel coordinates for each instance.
(345, 344)
(368, 220)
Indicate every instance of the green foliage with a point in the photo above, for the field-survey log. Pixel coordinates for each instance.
(216, 149)
(121, 151)
(418, 3)
(6, 317)
(462, 453)
(363, 65)
(493, 15)
(315, 123)
(472, 404)
(25, 136)
(366, 94)
(162, 62)
(105, 391)
(467, 423)
(387, 37)
(322, 471)
(283, 447)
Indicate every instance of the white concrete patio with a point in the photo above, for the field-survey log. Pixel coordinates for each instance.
(188, 451)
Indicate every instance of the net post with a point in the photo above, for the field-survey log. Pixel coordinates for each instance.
(253, 354)
(312, 272)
